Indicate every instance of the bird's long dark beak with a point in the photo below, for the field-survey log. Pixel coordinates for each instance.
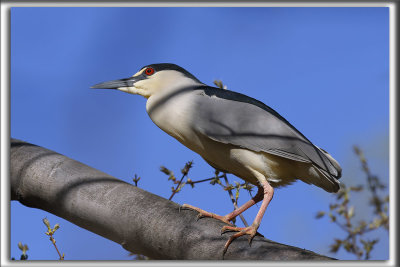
(115, 84)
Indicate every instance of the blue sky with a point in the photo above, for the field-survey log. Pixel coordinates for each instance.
(326, 70)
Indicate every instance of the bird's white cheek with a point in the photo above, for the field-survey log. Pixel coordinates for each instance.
(152, 86)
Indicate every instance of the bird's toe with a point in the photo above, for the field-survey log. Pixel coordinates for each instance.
(203, 213)
(251, 231)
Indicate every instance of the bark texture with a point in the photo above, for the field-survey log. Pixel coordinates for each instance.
(141, 222)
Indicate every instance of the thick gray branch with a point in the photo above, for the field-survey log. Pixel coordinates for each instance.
(138, 220)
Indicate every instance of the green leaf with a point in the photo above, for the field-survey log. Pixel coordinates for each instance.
(320, 214)
(229, 187)
(347, 246)
(356, 188)
(350, 212)
(187, 167)
(47, 223)
(166, 171)
(333, 206)
(336, 245)
(333, 217)
(189, 181)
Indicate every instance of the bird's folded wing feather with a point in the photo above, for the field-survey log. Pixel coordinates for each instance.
(236, 119)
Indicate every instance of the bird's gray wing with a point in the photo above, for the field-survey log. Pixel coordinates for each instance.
(237, 119)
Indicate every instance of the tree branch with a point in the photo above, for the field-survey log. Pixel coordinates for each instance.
(141, 222)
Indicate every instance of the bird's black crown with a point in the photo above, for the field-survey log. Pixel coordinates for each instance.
(170, 66)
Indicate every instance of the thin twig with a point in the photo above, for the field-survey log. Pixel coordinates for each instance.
(204, 180)
(234, 201)
(174, 191)
(341, 226)
(372, 185)
(54, 243)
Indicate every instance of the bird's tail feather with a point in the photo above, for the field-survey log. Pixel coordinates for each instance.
(328, 183)
(334, 163)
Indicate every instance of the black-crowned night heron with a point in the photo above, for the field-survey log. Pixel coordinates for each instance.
(234, 133)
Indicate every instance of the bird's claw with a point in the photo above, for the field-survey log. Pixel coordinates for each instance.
(183, 207)
(250, 239)
(224, 230)
(251, 231)
(199, 216)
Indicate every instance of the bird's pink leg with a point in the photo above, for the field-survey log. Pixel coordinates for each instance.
(229, 217)
(257, 198)
(251, 230)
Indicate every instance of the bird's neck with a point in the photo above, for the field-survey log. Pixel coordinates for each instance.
(170, 109)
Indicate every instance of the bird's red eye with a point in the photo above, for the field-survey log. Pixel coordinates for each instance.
(149, 71)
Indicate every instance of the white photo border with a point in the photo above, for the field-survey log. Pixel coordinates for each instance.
(5, 126)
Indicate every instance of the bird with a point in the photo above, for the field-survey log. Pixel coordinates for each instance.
(232, 132)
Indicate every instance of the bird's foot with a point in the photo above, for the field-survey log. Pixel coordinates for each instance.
(251, 231)
(203, 213)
